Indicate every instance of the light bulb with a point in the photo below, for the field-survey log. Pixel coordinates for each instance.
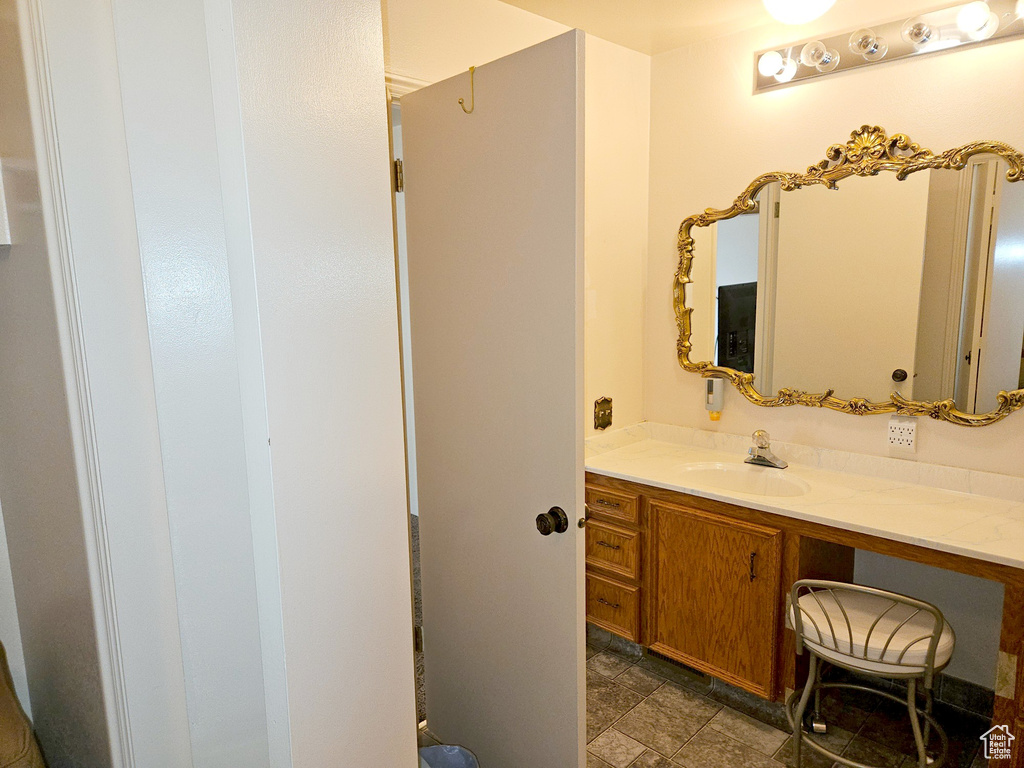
(797, 11)
(864, 43)
(817, 55)
(770, 63)
(1019, 10)
(977, 21)
(918, 33)
(788, 70)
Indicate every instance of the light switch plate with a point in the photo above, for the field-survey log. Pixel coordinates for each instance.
(602, 413)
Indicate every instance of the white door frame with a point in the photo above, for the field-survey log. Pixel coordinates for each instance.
(80, 410)
(767, 278)
(164, 689)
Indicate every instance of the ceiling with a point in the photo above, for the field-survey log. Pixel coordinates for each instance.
(655, 26)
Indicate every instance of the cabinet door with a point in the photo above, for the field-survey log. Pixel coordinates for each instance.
(716, 583)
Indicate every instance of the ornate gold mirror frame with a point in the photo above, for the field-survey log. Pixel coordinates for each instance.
(868, 152)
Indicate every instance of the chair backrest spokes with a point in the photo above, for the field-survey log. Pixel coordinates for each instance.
(844, 618)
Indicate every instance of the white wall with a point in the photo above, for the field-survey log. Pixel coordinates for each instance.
(975, 617)
(616, 147)
(431, 40)
(710, 135)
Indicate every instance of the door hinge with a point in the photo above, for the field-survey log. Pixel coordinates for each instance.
(777, 206)
(417, 639)
(399, 176)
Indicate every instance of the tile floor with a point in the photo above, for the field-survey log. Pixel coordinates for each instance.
(643, 712)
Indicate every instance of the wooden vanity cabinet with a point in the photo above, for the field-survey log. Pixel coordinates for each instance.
(672, 572)
(714, 602)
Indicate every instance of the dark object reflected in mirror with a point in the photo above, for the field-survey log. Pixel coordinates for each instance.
(737, 316)
(813, 288)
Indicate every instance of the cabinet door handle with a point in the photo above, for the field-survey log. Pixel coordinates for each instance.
(606, 503)
(602, 601)
(753, 575)
(606, 544)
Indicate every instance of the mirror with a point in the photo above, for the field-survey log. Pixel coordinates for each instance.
(885, 279)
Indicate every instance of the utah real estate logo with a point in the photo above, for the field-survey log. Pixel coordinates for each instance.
(997, 741)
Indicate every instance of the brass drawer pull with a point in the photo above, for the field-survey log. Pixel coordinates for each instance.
(753, 574)
(602, 601)
(606, 503)
(606, 544)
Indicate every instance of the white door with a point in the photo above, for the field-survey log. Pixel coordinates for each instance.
(494, 205)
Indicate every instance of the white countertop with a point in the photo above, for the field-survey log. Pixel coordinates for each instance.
(977, 526)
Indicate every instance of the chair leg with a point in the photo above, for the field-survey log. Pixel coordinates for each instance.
(817, 724)
(798, 716)
(915, 723)
(927, 708)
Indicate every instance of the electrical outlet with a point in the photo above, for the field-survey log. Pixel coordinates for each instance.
(902, 434)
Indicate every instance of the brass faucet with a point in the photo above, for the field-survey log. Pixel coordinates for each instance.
(761, 453)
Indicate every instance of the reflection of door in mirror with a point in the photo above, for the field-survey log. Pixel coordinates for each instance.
(1020, 381)
(848, 285)
(1003, 299)
(991, 316)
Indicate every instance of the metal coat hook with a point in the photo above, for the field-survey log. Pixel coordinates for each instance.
(472, 94)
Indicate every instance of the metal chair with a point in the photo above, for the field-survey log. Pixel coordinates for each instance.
(873, 633)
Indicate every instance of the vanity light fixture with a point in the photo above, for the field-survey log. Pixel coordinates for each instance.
(772, 64)
(864, 42)
(797, 11)
(917, 32)
(955, 26)
(816, 54)
(977, 21)
(789, 68)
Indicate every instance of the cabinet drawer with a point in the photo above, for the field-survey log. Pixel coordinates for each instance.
(613, 504)
(614, 606)
(613, 549)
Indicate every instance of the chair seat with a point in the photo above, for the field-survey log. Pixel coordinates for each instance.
(887, 648)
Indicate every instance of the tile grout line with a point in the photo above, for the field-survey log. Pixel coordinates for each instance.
(665, 681)
(624, 714)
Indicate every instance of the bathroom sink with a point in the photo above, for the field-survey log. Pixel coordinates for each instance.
(745, 478)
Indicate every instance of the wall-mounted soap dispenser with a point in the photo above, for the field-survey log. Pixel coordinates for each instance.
(714, 396)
